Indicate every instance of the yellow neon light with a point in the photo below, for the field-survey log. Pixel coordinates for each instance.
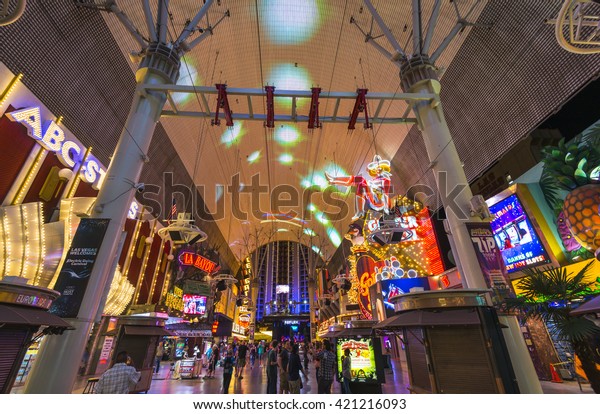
(10, 88)
(25, 185)
(161, 257)
(25, 237)
(7, 244)
(76, 179)
(42, 254)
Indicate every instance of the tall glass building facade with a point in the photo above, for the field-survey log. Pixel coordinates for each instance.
(282, 268)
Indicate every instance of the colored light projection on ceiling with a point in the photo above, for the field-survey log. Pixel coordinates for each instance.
(317, 178)
(286, 159)
(289, 76)
(254, 157)
(283, 218)
(188, 76)
(321, 217)
(334, 236)
(290, 22)
(309, 232)
(233, 135)
(287, 135)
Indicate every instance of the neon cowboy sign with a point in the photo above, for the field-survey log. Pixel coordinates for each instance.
(53, 138)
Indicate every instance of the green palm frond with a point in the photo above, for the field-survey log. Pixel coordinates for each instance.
(550, 190)
(548, 294)
(570, 328)
(555, 284)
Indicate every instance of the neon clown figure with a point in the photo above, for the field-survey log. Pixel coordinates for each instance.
(372, 194)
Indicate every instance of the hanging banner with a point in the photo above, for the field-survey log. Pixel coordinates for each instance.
(490, 259)
(77, 268)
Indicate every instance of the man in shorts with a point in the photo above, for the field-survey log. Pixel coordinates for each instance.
(283, 362)
(242, 350)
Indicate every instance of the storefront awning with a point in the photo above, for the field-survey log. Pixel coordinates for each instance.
(591, 306)
(146, 330)
(329, 334)
(23, 315)
(350, 332)
(429, 318)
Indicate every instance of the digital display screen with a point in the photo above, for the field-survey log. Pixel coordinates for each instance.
(515, 236)
(362, 358)
(395, 287)
(194, 304)
(282, 289)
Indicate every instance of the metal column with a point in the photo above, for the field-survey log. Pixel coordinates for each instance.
(55, 370)
(419, 76)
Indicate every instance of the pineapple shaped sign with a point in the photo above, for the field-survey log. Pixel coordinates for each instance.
(574, 169)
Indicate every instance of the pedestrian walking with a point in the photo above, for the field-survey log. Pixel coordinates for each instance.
(294, 369)
(228, 364)
(326, 369)
(272, 368)
(346, 371)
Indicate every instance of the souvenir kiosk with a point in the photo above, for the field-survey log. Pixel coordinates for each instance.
(453, 341)
(23, 313)
(366, 357)
(139, 337)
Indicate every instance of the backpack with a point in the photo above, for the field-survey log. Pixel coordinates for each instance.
(228, 365)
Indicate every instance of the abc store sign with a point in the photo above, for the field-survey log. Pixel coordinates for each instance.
(52, 137)
(69, 152)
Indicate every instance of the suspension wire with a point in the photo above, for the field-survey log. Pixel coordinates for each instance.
(311, 172)
(203, 125)
(262, 85)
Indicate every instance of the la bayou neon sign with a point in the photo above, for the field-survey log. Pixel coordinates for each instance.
(199, 262)
(53, 138)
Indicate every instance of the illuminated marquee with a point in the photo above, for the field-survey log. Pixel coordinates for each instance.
(199, 262)
(53, 138)
(69, 152)
(175, 300)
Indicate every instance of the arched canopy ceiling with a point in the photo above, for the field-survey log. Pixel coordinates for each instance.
(292, 45)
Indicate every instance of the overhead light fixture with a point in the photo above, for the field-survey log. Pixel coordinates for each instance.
(183, 231)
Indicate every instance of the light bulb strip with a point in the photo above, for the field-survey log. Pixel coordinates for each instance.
(132, 246)
(31, 174)
(10, 88)
(25, 245)
(155, 273)
(42, 252)
(141, 276)
(6, 240)
(167, 275)
(76, 177)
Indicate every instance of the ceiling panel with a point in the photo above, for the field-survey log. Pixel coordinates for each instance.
(294, 46)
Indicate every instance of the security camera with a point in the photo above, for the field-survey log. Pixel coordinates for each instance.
(140, 187)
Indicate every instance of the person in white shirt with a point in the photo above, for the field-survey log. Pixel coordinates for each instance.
(120, 378)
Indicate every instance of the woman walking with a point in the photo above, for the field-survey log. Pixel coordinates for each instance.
(212, 362)
(346, 371)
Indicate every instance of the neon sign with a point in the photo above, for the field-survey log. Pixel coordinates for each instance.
(175, 300)
(199, 262)
(53, 138)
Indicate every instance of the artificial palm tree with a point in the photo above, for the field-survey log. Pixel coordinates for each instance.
(550, 294)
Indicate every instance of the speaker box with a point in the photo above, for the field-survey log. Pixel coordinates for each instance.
(379, 240)
(397, 236)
